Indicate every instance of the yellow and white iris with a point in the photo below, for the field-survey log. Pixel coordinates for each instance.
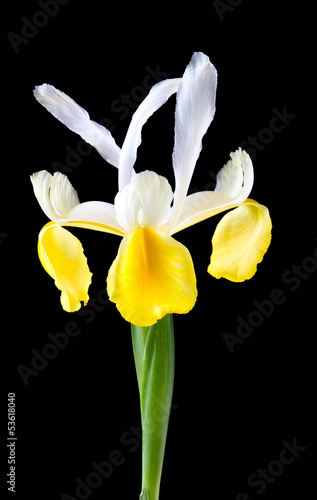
(153, 274)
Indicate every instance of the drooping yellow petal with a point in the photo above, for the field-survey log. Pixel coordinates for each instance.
(152, 275)
(240, 241)
(62, 256)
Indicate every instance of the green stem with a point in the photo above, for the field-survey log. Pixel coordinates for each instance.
(153, 349)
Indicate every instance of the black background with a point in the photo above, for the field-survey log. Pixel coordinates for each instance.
(231, 410)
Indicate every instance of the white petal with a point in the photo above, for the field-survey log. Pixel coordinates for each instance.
(62, 195)
(195, 109)
(41, 185)
(145, 202)
(155, 195)
(77, 119)
(59, 201)
(97, 215)
(127, 206)
(55, 194)
(235, 179)
(200, 206)
(157, 96)
(234, 183)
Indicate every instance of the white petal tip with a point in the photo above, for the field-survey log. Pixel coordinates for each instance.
(199, 60)
(42, 90)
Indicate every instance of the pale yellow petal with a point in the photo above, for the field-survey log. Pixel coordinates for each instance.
(152, 275)
(62, 256)
(240, 241)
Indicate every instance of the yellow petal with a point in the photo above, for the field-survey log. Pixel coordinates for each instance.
(62, 256)
(152, 275)
(240, 241)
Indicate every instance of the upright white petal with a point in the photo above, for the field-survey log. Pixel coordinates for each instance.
(55, 194)
(144, 202)
(195, 109)
(236, 178)
(63, 196)
(155, 195)
(127, 206)
(41, 186)
(157, 96)
(77, 119)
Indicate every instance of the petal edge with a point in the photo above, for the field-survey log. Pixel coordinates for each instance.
(152, 275)
(76, 118)
(240, 241)
(61, 254)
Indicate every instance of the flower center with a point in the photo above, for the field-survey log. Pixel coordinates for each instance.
(145, 202)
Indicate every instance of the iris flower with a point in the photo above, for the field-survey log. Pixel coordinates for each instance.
(153, 273)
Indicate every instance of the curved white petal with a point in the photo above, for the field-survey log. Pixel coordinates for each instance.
(157, 96)
(195, 109)
(236, 178)
(234, 184)
(145, 202)
(155, 195)
(41, 186)
(77, 119)
(62, 195)
(59, 201)
(200, 206)
(127, 207)
(97, 215)
(55, 194)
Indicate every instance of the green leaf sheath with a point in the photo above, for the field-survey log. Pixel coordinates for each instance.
(144, 495)
(153, 349)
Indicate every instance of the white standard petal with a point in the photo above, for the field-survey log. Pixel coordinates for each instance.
(145, 202)
(155, 195)
(157, 96)
(77, 119)
(195, 109)
(55, 194)
(235, 179)
(127, 206)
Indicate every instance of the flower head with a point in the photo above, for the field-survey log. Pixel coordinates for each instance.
(153, 273)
